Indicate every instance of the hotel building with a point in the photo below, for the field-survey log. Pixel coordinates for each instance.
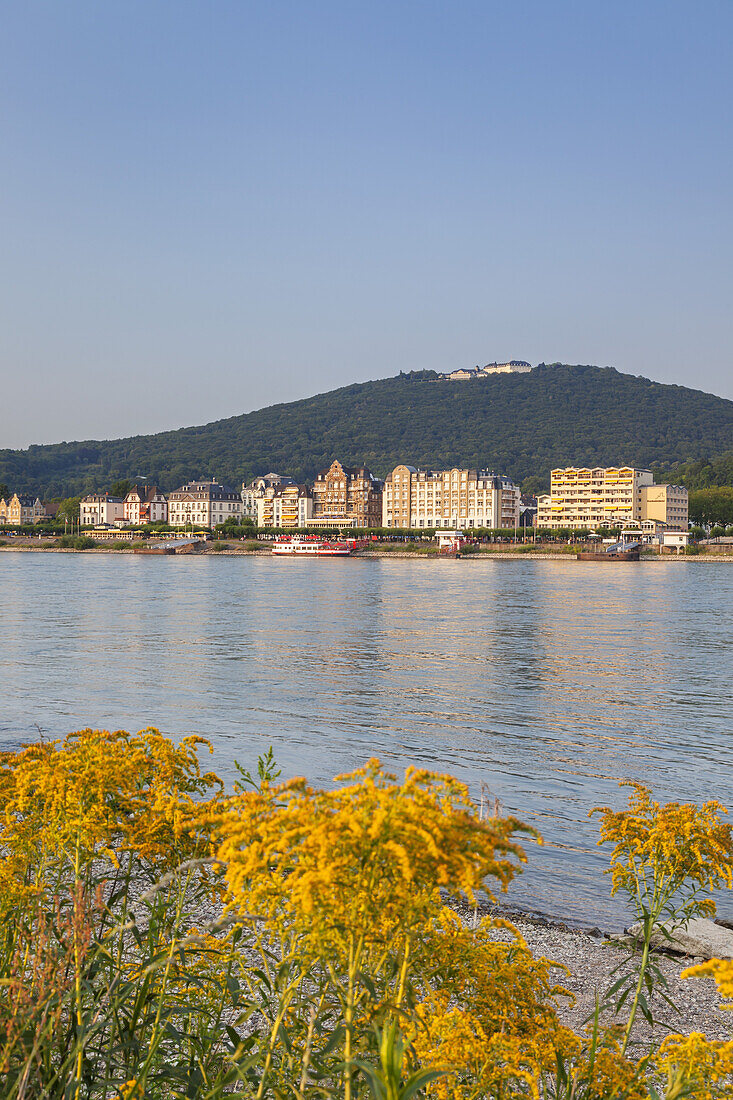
(203, 504)
(464, 374)
(609, 497)
(100, 508)
(449, 498)
(345, 496)
(667, 505)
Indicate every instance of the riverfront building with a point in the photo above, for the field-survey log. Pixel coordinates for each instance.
(284, 506)
(258, 489)
(667, 505)
(101, 508)
(203, 504)
(345, 496)
(456, 498)
(145, 505)
(20, 509)
(609, 496)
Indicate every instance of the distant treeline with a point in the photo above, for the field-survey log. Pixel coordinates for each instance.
(522, 425)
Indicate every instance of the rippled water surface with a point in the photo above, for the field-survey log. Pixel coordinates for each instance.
(548, 681)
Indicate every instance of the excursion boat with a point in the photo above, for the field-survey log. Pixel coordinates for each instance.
(311, 546)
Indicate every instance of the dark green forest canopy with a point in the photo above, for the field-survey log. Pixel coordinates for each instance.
(521, 424)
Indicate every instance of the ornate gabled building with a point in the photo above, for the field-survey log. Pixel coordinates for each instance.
(346, 496)
(20, 509)
(145, 505)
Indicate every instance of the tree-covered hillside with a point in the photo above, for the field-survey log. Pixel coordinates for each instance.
(702, 473)
(521, 424)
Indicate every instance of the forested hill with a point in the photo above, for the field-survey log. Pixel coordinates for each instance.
(521, 424)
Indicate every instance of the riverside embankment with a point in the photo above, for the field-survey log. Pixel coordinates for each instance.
(498, 553)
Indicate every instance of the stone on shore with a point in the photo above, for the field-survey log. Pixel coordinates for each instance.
(701, 938)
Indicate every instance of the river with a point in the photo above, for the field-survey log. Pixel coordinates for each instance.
(547, 681)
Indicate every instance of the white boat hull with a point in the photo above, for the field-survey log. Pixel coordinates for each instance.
(310, 548)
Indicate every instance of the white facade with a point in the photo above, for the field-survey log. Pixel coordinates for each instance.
(464, 374)
(101, 508)
(514, 366)
(203, 504)
(676, 540)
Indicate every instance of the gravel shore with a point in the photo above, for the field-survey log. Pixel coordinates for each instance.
(590, 959)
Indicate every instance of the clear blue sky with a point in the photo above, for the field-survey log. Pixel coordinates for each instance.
(210, 207)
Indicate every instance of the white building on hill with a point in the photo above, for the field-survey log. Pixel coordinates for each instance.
(514, 366)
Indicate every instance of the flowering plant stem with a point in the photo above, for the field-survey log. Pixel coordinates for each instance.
(648, 925)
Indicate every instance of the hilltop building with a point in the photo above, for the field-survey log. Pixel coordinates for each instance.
(609, 496)
(101, 508)
(203, 504)
(345, 496)
(514, 366)
(145, 505)
(449, 498)
(20, 509)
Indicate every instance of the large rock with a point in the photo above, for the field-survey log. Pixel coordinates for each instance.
(700, 937)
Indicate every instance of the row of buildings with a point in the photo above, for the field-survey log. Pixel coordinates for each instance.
(409, 498)
(466, 498)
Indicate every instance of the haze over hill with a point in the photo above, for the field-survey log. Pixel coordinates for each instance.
(521, 424)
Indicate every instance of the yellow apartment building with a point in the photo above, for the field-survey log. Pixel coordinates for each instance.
(666, 504)
(284, 506)
(608, 497)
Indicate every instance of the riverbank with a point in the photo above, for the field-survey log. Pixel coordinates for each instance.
(590, 961)
(503, 553)
(590, 957)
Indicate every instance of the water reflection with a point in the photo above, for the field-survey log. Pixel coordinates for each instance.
(546, 680)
